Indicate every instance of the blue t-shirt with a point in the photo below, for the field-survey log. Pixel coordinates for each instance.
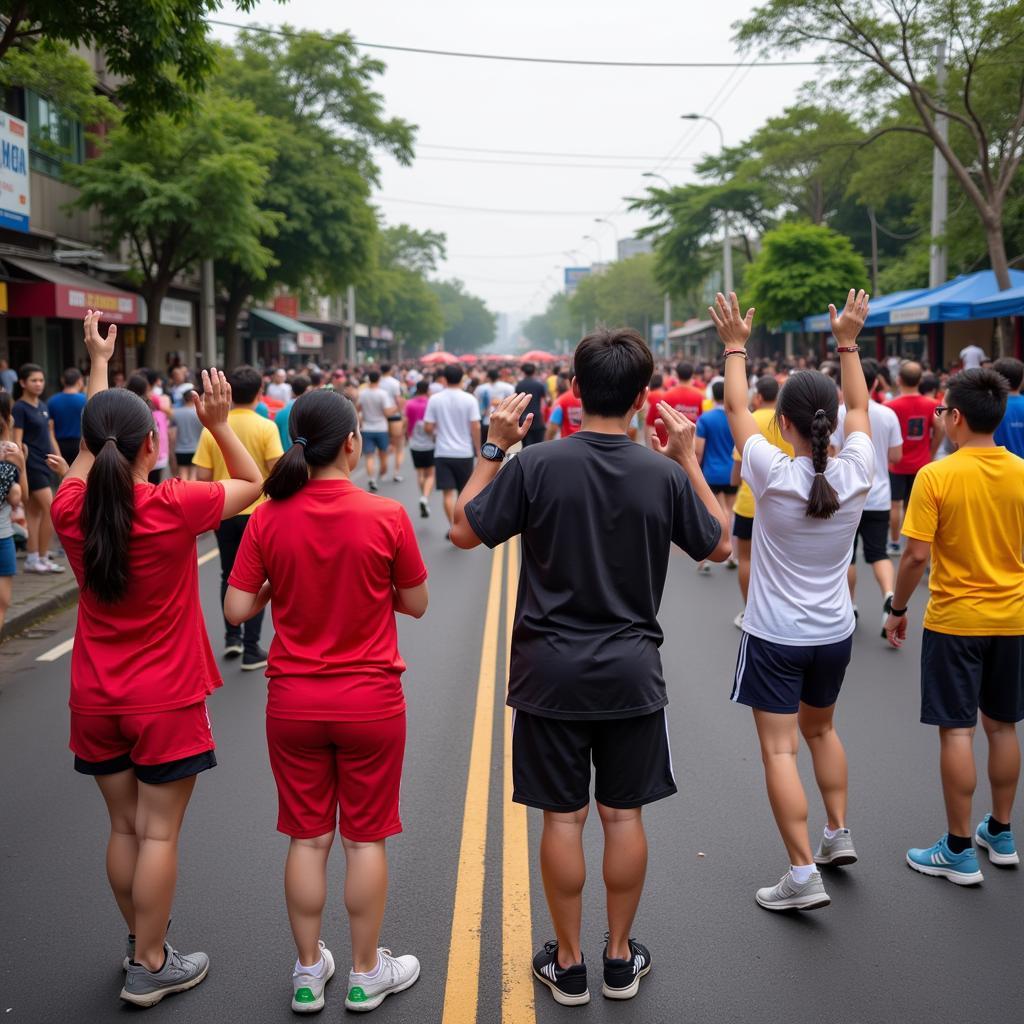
(66, 413)
(713, 426)
(1010, 433)
(281, 422)
(34, 421)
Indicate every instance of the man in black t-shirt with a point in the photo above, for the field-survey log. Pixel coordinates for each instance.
(529, 385)
(597, 515)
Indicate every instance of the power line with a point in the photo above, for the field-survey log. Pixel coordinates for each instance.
(489, 209)
(518, 59)
(530, 163)
(539, 152)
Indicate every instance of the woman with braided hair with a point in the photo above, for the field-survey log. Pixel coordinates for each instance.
(335, 707)
(798, 624)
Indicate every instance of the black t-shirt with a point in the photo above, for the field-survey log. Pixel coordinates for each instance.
(598, 515)
(34, 420)
(532, 386)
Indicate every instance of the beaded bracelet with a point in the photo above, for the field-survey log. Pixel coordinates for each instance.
(847, 348)
(736, 352)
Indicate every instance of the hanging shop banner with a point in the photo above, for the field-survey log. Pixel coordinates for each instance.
(15, 207)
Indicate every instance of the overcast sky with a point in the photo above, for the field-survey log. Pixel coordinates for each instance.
(598, 129)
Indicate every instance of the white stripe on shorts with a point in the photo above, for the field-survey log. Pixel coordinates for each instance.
(668, 744)
(741, 664)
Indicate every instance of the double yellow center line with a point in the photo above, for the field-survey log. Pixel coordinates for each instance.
(462, 990)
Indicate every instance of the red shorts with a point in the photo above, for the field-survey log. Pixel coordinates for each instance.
(161, 746)
(323, 768)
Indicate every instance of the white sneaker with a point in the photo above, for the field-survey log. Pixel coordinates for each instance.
(52, 566)
(738, 621)
(37, 565)
(704, 569)
(394, 974)
(308, 988)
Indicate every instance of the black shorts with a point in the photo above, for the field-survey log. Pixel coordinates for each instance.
(69, 448)
(39, 476)
(873, 530)
(422, 459)
(723, 488)
(902, 484)
(551, 761)
(184, 458)
(962, 674)
(743, 527)
(151, 774)
(778, 677)
(453, 474)
(535, 435)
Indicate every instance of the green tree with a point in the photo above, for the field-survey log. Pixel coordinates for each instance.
(800, 269)
(159, 47)
(183, 192)
(468, 324)
(316, 93)
(555, 324)
(882, 50)
(626, 294)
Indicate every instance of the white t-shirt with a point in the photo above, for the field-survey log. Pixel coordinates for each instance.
(282, 392)
(972, 356)
(885, 434)
(452, 411)
(393, 387)
(798, 590)
(373, 404)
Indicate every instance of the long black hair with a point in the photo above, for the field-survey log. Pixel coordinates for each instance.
(115, 425)
(319, 424)
(809, 401)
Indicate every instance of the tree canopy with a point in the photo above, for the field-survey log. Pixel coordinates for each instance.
(468, 324)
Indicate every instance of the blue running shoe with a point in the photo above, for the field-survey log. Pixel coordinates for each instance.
(1001, 848)
(940, 860)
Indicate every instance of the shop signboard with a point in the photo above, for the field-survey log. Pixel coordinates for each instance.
(15, 206)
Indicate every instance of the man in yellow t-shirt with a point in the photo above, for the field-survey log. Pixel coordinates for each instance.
(967, 513)
(263, 442)
(766, 393)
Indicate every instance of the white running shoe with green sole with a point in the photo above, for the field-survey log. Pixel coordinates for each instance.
(395, 974)
(308, 989)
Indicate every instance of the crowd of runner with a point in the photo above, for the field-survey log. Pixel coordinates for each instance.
(776, 470)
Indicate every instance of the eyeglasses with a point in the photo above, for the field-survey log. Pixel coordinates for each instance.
(940, 409)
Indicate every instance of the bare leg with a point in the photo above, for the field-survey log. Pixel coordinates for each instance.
(5, 598)
(1003, 765)
(44, 497)
(564, 871)
(895, 520)
(157, 825)
(450, 498)
(120, 793)
(885, 575)
(370, 463)
(779, 745)
(34, 516)
(366, 896)
(625, 867)
(829, 757)
(305, 893)
(959, 778)
(428, 482)
(742, 550)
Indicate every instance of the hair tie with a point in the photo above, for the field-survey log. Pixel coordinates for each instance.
(110, 437)
(302, 441)
(819, 412)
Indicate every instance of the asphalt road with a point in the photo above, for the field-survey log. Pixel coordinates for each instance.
(893, 947)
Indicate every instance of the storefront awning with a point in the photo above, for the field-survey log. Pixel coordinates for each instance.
(1008, 303)
(268, 323)
(64, 293)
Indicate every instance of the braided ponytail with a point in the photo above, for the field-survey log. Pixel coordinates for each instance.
(809, 401)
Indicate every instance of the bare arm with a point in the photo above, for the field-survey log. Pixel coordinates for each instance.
(895, 454)
(100, 350)
(734, 331)
(411, 601)
(204, 475)
(699, 444)
(474, 432)
(912, 565)
(240, 605)
(938, 434)
(846, 328)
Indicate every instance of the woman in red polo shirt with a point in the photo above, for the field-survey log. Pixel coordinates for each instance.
(142, 666)
(335, 708)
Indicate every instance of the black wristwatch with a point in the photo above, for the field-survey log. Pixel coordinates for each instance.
(492, 453)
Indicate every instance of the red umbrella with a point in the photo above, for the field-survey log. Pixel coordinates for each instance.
(469, 359)
(537, 356)
(439, 357)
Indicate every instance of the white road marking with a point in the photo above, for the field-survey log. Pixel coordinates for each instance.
(55, 653)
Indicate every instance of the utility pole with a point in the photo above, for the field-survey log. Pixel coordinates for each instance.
(940, 181)
(350, 304)
(208, 314)
(874, 250)
(668, 324)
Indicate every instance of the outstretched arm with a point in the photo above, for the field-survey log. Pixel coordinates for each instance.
(846, 328)
(734, 330)
(100, 350)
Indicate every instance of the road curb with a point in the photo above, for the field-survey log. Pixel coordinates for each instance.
(18, 621)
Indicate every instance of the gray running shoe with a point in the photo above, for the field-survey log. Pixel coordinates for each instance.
(837, 851)
(179, 973)
(308, 989)
(397, 973)
(788, 895)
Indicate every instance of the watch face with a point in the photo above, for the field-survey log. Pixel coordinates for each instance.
(492, 452)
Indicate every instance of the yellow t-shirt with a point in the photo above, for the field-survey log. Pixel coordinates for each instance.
(770, 428)
(257, 434)
(970, 507)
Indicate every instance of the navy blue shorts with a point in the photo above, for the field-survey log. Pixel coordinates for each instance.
(375, 441)
(8, 561)
(962, 674)
(779, 677)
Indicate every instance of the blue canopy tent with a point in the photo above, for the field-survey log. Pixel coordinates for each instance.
(1008, 303)
(954, 300)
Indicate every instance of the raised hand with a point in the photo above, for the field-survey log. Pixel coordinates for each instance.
(58, 464)
(846, 326)
(505, 429)
(681, 432)
(98, 346)
(214, 404)
(733, 329)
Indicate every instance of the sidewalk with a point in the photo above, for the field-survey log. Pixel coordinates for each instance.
(34, 596)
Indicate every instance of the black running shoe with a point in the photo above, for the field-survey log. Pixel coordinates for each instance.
(568, 984)
(622, 977)
(254, 659)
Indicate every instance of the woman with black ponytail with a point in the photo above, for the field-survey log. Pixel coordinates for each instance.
(335, 708)
(141, 666)
(798, 624)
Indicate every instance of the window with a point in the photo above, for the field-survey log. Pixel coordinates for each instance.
(54, 138)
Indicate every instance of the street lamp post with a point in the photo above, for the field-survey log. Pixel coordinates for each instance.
(597, 245)
(668, 298)
(615, 234)
(727, 241)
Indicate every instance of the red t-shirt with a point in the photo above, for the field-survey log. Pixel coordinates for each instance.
(683, 398)
(149, 651)
(572, 413)
(916, 414)
(333, 555)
